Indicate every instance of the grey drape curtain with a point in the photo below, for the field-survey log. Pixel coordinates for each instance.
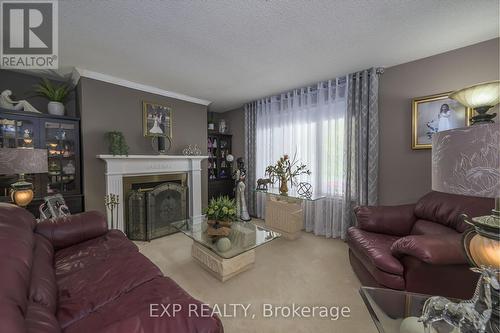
(356, 133)
(250, 142)
(361, 132)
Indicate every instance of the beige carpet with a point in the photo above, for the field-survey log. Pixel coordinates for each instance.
(308, 271)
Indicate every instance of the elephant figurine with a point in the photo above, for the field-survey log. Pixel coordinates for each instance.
(262, 183)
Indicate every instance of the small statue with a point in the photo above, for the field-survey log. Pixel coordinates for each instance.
(61, 134)
(239, 177)
(262, 183)
(27, 137)
(7, 103)
(470, 316)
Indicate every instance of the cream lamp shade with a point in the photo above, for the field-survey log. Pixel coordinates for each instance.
(21, 161)
(481, 97)
(466, 161)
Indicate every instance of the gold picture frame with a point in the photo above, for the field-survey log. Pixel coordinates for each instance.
(156, 120)
(429, 113)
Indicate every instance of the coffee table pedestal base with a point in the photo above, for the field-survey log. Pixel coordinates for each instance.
(222, 269)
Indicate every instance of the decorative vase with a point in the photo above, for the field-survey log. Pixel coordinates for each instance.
(283, 186)
(69, 168)
(223, 244)
(412, 325)
(222, 126)
(56, 108)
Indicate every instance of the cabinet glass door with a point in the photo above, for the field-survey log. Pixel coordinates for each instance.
(61, 141)
(212, 157)
(18, 133)
(224, 150)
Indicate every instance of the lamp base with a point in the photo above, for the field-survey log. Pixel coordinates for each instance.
(482, 116)
(21, 192)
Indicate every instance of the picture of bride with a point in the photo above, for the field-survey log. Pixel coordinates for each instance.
(156, 120)
(156, 129)
(436, 113)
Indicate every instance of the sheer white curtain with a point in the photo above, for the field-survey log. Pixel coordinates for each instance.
(309, 122)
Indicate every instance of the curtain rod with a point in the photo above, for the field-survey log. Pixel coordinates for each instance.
(378, 71)
(312, 88)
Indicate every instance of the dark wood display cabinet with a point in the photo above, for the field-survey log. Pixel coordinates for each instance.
(220, 171)
(60, 135)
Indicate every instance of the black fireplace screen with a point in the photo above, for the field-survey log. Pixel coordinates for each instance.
(152, 210)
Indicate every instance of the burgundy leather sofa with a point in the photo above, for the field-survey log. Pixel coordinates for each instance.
(416, 247)
(74, 275)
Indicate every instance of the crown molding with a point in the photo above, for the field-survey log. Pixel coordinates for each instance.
(81, 72)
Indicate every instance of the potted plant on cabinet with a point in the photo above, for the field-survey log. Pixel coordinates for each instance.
(56, 94)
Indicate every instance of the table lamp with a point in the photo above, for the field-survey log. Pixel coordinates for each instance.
(481, 97)
(466, 161)
(22, 161)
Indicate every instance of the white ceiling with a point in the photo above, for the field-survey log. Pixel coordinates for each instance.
(235, 51)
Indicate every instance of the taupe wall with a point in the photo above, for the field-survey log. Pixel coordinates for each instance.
(405, 174)
(107, 107)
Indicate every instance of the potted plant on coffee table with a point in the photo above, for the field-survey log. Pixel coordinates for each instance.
(221, 212)
(55, 93)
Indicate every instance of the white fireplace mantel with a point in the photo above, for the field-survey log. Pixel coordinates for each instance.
(119, 166)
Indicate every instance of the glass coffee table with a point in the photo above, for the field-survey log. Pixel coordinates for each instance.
(237, 253)
(395, 311)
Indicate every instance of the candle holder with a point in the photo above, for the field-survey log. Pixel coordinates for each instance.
(112, 201)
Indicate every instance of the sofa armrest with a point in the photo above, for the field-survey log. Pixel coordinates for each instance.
(432, 249)
(390, 220)
(73, 229)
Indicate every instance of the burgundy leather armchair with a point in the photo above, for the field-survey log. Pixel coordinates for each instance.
(74, 275)
(416, 247)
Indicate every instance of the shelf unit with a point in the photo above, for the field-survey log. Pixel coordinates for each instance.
(220, 171)
(60, 135)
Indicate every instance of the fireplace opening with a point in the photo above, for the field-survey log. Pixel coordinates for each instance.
(152, 203)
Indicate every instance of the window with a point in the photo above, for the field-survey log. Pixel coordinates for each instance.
(297, 124)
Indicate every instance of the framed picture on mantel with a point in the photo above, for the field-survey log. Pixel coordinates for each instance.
(156, 120)
(435, 113)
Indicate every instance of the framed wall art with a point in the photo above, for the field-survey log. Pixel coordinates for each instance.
(435, 113)
(156, 120)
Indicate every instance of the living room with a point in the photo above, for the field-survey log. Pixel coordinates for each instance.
(250, 166)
